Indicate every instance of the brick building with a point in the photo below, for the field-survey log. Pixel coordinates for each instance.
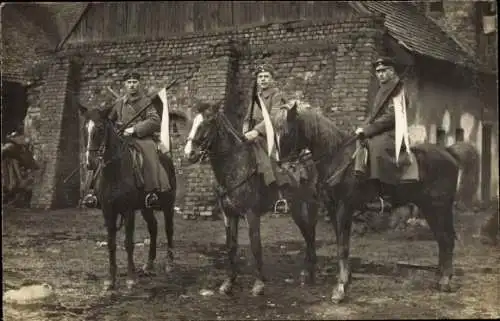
(322, 52)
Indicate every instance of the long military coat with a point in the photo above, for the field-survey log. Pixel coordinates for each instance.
(380, 131)
(148, 123)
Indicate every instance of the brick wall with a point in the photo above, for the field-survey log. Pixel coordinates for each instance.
(326, 64)
(54, 138)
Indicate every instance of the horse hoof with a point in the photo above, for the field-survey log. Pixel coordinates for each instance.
(306, 278)
(258, 288)
(444, 287)
(148, 269)
(226, 287)
(169, 268)
(130, 284)
(108, 286)
(338, 294)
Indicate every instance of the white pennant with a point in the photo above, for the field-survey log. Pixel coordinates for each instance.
(401, 130)
(269, 127)
(165, 125)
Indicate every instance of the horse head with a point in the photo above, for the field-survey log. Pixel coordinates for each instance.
(203, 132)
(96, 133)
(290, 132)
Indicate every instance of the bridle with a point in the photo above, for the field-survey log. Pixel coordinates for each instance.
(102, 148)
(220, 121)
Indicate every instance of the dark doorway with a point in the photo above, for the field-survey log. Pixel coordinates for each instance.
(440, 137)
(486, 162)
(14, 106)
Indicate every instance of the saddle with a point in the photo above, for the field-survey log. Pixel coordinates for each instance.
(406, 169)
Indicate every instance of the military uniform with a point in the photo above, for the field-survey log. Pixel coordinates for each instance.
(148, 123)
(380, 134)
(154, 176)
(273, 100)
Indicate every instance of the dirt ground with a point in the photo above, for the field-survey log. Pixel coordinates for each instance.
(61, 248)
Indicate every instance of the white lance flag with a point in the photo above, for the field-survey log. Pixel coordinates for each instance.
(401, 131)
(165, 123)
(269, 129)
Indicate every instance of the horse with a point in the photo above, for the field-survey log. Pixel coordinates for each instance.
(243, 193)
(118, 193)
(18, 164)
(344, 193)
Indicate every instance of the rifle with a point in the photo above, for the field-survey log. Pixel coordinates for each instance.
(251, 120)
(124, 126)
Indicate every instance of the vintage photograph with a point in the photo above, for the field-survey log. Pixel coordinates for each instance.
(250, 160)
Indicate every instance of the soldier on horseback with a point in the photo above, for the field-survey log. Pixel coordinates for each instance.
(254, 127)
(385, 135)
(154, 177)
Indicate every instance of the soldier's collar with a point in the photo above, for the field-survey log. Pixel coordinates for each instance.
(268, 92)
(131, 99)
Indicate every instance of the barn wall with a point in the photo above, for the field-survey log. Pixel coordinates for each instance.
(159, 20)
(449, 100)
(325, 64)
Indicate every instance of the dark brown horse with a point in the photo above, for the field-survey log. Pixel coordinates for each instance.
(118, 192)
(344, 193)
(243, 192)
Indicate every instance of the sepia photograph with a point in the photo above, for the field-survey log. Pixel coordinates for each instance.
(250, 160)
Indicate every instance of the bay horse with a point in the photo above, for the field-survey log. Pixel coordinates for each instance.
(344, 193)
(243, 193)
(118, 193)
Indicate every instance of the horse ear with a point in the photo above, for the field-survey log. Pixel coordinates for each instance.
(104, 112)
(292, 112)
(82, 109)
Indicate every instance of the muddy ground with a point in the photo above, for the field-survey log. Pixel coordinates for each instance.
(61, 248)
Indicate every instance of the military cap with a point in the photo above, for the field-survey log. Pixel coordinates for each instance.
(384, 61)
(132, 75)
(263, 68)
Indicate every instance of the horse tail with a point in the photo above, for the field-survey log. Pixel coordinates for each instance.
(467, 158)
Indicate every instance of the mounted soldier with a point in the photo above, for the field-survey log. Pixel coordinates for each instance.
(385, 135)
(142, 132)
(267, 100)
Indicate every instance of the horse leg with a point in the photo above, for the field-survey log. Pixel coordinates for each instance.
(305, 217)
(168, 215)
(149, 217)
(342, 223)
(110, 220)
(231, 224)
(256, 247)
(129, 247)
(440, 220)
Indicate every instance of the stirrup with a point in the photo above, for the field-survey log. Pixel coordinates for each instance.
(151, 200)
(281, 206)
(90, 201)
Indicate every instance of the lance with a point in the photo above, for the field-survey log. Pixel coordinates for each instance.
(127, 123)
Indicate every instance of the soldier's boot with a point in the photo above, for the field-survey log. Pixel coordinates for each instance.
(361, 162)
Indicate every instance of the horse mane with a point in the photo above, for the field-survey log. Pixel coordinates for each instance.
(318, 129)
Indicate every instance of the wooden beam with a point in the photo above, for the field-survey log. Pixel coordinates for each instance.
(84, 11)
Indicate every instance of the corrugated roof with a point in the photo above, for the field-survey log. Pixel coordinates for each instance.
(419, 33)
